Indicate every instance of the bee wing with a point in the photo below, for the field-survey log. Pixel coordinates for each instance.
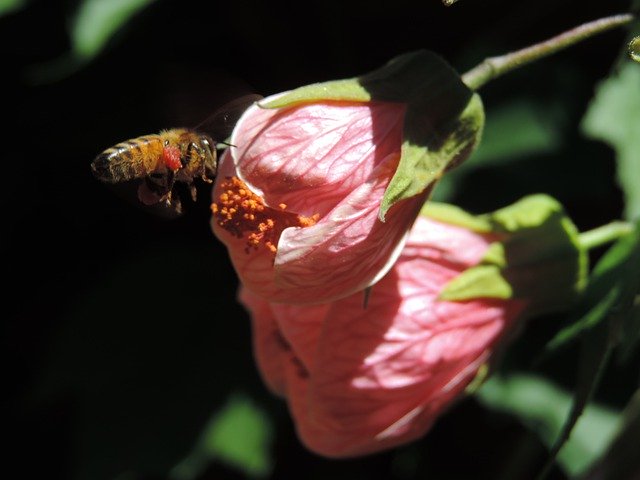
(220, 124)
(138, 195)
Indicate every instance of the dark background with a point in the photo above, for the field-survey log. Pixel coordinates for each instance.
(120, 331)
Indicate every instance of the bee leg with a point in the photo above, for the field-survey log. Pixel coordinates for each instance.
(155, 188)
(193, 151)
(194, 192)
(208, 177)
(173, 203)
(205, 174)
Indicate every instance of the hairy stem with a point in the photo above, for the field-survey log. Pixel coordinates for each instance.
(493, 67)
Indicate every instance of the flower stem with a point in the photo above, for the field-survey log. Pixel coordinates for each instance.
(604, 234)
(493, 67)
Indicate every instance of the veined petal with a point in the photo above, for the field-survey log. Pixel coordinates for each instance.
(317, 170)
(347, 250)
(378, 376)
(270, 350)
(281, 328)
(388, 370)
(310, 156)
(362, 379)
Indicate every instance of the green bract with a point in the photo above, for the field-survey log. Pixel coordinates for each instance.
(537, 256)
(443, 123)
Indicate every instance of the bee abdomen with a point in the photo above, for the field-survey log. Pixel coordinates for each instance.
(128, 160)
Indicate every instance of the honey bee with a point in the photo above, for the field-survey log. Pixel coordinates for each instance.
(178, 155)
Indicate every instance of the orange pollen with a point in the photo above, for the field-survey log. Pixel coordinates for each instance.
(241, 212)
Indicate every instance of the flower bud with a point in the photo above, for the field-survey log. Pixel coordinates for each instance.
(316, 195)
(359, 379)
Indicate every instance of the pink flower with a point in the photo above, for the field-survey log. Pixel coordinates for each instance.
(362, 379)
(359, 380)
(297, 201)
(316, 195)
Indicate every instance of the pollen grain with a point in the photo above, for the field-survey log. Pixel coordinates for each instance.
(243, 213)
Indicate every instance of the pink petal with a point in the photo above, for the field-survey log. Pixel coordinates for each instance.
(345, 252)
(298, 335)
(270, 350)
(380, 376)
(312, 155)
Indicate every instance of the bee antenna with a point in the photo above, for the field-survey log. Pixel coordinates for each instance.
(226, 144)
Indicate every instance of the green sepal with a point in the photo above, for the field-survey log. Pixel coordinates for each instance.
(453, 215)
(443, 122)
(426, 156)
(496, 255)
(347, 90)
(478, 282)
(536, 256)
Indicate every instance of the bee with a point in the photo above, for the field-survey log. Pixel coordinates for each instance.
(175, 156)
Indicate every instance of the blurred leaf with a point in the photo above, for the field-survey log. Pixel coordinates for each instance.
(512, 131)
(10, 6)
(595, 353)
(93, 24)
(621, 459)
(612, 287)
(614, 117)
(239, 435)
(608, 300)
(96, 21)
(543, 407)
(518, 129)
(630, 331)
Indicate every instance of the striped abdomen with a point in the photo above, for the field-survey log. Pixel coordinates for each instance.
(129, 160)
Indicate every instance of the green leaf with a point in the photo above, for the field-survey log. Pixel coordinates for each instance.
(518, 129)
(239, 435)
(610, 295)
(614, 117)
(630, 337)
(10, 6)
(542, 407)
(595, 353)
(512, 132)
(589, 320)
(92, 25)
(621, 459)
(96, 21)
